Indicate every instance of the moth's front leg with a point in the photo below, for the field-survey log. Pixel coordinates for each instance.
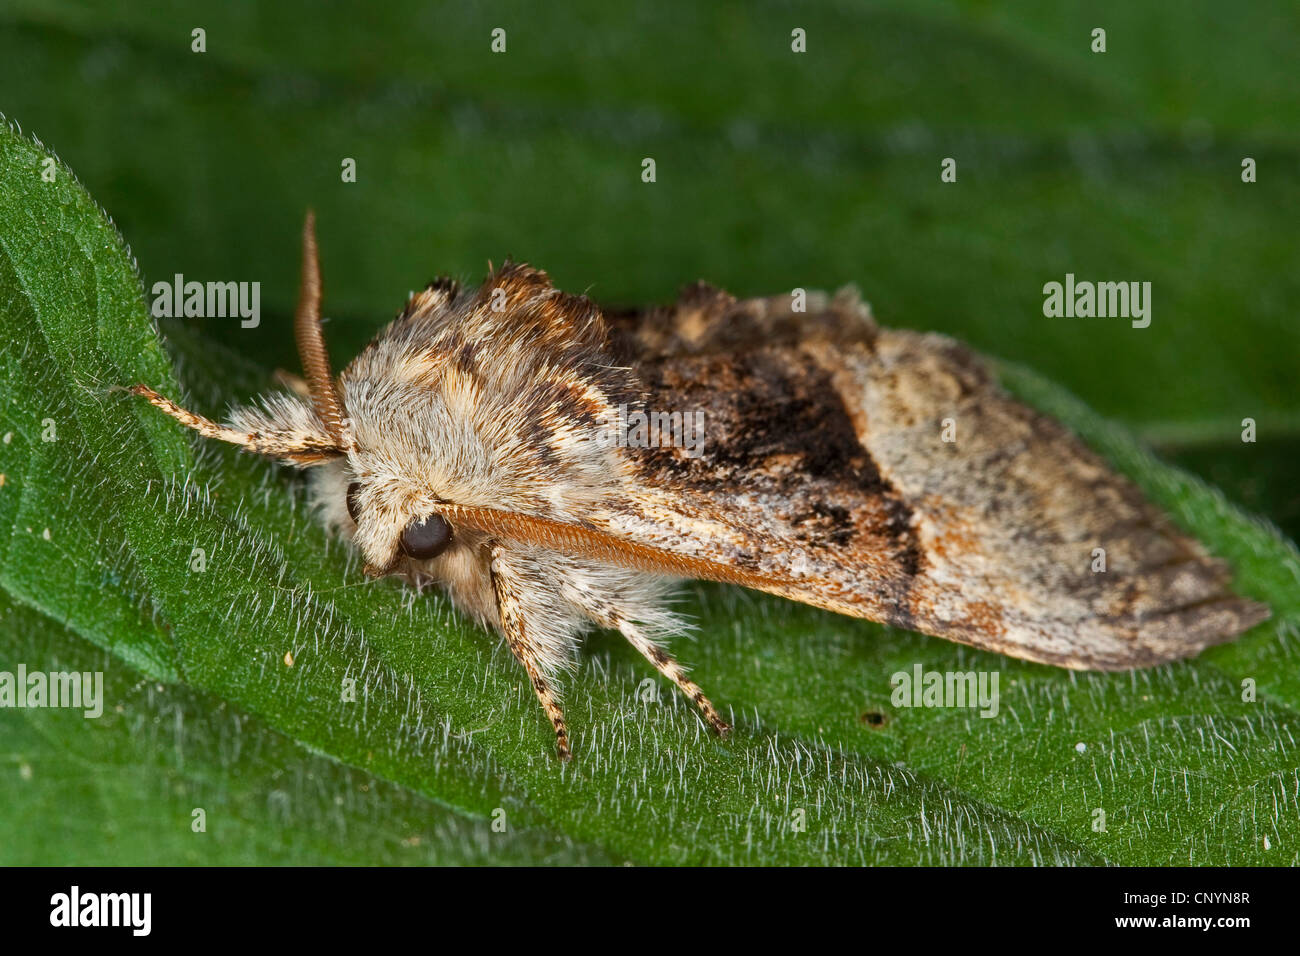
(512, 594)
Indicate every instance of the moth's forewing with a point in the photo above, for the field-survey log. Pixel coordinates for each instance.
(884, 474)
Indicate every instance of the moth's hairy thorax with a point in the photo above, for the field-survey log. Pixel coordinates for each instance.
(504, 398)
(501, 398)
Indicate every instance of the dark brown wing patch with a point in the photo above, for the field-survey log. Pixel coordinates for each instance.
(777, 426)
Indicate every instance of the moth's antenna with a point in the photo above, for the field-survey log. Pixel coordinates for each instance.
(588, 542)
(311, 340)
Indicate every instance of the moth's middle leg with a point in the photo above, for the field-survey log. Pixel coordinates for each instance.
(514, 625)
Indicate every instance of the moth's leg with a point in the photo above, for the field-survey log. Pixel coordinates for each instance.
(298, 445)
(664, 662)
(204, 426)
(510, 594)
(668, 666)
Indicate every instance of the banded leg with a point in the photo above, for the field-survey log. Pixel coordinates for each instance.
(515, 627)
(205, 427)
(666, 664)
(302, 447)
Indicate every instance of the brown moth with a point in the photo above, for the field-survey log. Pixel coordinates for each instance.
(469, 444)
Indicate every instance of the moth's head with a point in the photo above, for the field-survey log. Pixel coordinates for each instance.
(397, 528)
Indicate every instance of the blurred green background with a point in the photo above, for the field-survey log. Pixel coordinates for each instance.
(774, 170)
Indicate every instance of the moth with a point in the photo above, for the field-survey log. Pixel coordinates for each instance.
(876, 473)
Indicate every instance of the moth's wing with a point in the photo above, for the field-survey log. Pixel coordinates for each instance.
(706, 319)
(824, 475)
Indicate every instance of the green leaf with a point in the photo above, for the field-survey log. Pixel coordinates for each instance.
(171, 775)
(227, 684)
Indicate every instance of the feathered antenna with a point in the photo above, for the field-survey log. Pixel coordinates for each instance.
(311, 340)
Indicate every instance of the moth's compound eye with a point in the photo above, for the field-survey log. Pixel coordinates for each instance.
(427, 537)
(354, 508)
